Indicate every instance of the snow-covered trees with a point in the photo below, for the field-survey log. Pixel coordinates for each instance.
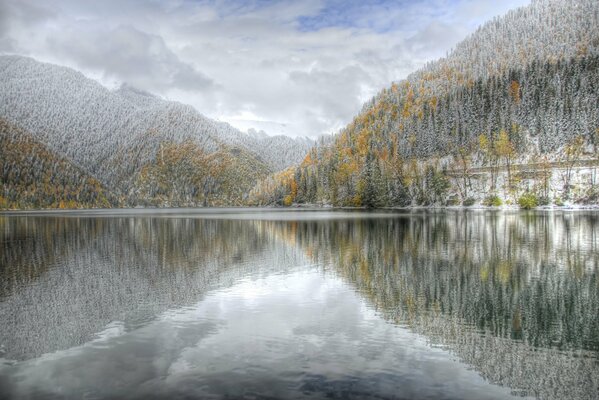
(522, 86)
(31, 176)
(116, 135)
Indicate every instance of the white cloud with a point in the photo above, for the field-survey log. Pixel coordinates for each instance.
(305, 67)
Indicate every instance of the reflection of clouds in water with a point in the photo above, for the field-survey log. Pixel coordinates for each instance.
(230, 344)
(112, 330)
(113, 365)
(500, 290)
(63, 279)
(512, 294)
(330, 341)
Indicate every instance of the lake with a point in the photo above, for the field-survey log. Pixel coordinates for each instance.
(261, 304)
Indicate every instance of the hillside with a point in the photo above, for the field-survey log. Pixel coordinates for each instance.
(512, 111)
(31, 176)
(117, 136)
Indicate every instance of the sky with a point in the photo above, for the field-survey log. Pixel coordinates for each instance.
(299, 68)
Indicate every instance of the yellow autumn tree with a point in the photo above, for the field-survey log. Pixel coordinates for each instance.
(515, 91)
(505, 148)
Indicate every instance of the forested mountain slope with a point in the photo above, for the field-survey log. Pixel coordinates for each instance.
(31, 176)
(513, 110)
(119, 136)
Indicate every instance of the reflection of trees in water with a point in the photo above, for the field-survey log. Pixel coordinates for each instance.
(513, 295)
(29, 246)
(73, 276)
(516, 296)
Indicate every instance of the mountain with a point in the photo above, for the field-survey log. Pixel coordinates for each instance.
(512, 113)
(119, 137)
(31, 176)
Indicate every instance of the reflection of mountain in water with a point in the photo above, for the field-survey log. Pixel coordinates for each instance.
(511, 277)
(515, 296)
(73, 276)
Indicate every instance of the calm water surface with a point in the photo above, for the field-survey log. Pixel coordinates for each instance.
(299, 304)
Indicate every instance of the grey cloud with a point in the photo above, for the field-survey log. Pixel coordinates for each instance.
(477, 12)
(435, 38)
(130, 55)
(17, 16)
(327, 85)
(23, 11)
(244, 62)
(188, 78)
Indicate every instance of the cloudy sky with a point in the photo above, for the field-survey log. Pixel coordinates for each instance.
(301, 68)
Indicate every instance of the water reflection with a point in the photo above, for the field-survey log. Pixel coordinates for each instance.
(529, 279)
(64, 279)
(516, 296)
(265, 304)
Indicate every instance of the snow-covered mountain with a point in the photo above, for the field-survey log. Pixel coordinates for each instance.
(31, 176)
(113, 134)
(509, 112)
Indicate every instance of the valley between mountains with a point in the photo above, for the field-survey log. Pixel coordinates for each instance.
(509, 117)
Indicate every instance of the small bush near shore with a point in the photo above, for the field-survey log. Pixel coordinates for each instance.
(469, 202)
(591, 196)
(544, 200)
(492, 201)
(452, 201)
(528, 201)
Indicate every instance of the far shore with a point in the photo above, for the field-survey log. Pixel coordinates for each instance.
(295, 207)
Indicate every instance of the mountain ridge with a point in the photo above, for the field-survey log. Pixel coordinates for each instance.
(511, 113)
(32, 176)
(114, 134)
(521, 89)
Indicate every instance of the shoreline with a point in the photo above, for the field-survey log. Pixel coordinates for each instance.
(297, 207)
